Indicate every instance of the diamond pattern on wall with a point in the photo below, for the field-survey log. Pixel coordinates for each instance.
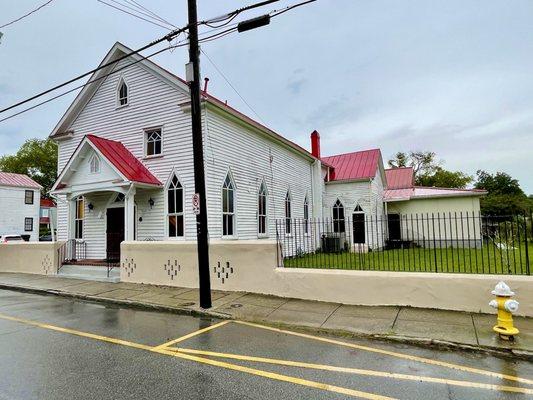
(223, 272)
(129, 266)
(172, 269)
(46, 264)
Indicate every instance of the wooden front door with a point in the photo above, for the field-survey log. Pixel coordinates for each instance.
(114, 233)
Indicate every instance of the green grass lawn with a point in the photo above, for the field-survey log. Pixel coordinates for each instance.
(488, 260)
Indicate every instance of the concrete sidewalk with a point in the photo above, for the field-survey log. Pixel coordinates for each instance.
(414, 325)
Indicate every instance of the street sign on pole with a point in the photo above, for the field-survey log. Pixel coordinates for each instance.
(196, 204)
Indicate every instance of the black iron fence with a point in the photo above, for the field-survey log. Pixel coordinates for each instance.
(461, 242)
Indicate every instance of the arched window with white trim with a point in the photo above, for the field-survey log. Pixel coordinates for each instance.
(175, 208)
(262, 223)
(288, 213)
(228, 207)
(122, 93)
(338, 217)
(94, 164)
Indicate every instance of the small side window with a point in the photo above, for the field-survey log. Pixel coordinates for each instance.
(122, 93)
(28, 197)
(153, 142)
(94, 164)
(28, 224)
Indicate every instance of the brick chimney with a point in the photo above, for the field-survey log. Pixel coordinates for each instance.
(315, 144)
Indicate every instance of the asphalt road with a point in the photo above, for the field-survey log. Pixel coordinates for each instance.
(58, 348)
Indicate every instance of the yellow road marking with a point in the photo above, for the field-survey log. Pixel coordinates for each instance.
(394, 354)
(252, 371)
(356, 371)
(192, 334)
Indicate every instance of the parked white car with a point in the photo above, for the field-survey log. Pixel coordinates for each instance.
(10, 238)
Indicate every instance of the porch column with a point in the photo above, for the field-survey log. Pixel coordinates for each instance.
(129, 215)
(71, 215)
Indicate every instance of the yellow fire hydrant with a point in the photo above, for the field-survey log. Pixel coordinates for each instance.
(506, 307)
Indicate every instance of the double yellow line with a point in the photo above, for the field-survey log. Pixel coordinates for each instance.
(194, 355)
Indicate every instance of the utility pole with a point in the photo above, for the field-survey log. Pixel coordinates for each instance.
(198, 155)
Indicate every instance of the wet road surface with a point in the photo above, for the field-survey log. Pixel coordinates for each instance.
(58, 348)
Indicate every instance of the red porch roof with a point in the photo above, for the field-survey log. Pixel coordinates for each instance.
(123, 160)
(353, 166)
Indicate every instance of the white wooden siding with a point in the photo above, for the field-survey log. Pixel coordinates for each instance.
(14, 211)
(247, 154)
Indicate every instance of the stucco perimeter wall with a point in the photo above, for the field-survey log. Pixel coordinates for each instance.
(29, 257)
(249, 266)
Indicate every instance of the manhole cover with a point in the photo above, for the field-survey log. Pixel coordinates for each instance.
(236, 305)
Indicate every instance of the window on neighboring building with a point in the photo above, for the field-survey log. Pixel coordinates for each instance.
(153, 142)
(28, 224)
(228, 207)
(288, 213)
(94, 164)
(306, 215)
(175, 208)
(28, 197)
(122, 93)
(338, 217)
(78, 218)
(262, 228)
(45, 212)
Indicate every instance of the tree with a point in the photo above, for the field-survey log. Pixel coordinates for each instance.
(36, 158)
(505, 196)
(444, 178)
(422, 162)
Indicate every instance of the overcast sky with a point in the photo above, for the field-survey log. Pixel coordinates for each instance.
(454, 77)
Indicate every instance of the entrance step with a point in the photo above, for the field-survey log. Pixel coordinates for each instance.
(90, 273)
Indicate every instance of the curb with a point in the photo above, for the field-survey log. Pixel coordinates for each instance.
(198, 312)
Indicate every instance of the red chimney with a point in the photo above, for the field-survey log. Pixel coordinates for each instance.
(315, 144)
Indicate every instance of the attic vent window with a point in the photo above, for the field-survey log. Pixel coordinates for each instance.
(94, 164)
(122, 93)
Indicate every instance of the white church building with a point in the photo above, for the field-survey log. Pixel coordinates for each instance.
(125, 169)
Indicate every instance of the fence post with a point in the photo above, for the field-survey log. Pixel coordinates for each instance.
(525, 238)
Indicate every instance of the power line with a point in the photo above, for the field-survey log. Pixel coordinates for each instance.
(133, 14)
(27, 14)
(231, 85)
(135, 9)
(167, 37)
(93, 81)
(139, 5)
(180, 44)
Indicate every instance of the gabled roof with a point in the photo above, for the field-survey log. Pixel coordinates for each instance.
(119, 50)
(119, 157)
(400, 178)
(421, 192)
(354, 166)
(18, 180)
(123, 160)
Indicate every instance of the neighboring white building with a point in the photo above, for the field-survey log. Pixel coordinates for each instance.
(125, 167)
(19, 201)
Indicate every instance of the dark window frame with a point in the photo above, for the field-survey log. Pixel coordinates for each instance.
(175, 207)
(32, 196)
(26, 221)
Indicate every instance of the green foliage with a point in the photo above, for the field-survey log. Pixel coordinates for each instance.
(505, 196)
(423, 162)
(35, 158)
(444, 178)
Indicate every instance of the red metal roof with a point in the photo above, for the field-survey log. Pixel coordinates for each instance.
(47, 203)
(400, 178)
(123, 160)
(357, 165)
(11, 179)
